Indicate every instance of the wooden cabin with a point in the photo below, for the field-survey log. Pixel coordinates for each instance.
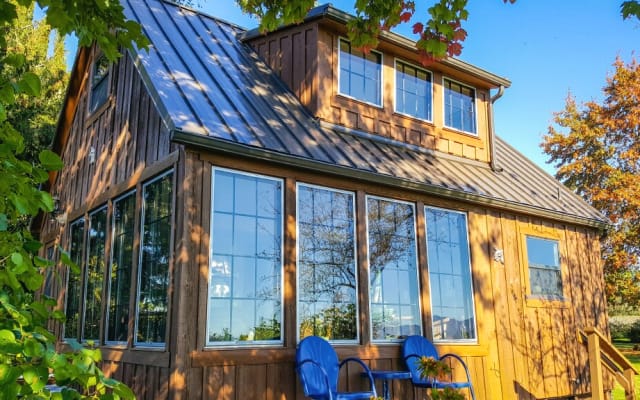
(227, 193)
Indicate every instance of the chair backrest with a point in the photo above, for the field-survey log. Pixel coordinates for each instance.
(413, 348)
(322, 357)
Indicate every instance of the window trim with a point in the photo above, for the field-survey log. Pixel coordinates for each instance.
(139, 233)
(85, 272)
(254, 343)
(395, 88)
(475, 107)
(348, 96)
(81, 221)
(355, 259)
(465, 214)
(95, 108)
(417, 263)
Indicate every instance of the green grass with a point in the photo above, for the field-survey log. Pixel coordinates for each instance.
(633, 356)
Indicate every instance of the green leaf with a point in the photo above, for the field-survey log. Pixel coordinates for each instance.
(7, 94)
(4, 224)
(17, 259)
(30, 84)
(33, 348)
(50, 160)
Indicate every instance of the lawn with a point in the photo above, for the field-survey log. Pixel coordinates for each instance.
(634, 356)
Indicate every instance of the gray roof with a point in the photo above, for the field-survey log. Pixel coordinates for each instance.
(214, 91)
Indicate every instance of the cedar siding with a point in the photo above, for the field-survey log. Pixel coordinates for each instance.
(209, 95)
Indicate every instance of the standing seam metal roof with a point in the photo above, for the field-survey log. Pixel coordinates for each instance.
(215, 91)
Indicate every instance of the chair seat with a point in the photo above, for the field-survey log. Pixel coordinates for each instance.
(354, 396)
(443, 385)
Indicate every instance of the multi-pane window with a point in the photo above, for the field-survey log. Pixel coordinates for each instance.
(413, 91)
(119, 278)
(545, 277)
(94, 274)
(459, 106)
(452, 310)
(99, 83)
(393, 277)
(245, 273)
(74, 289)
(153, 270)
(327, 284)
(360, 74)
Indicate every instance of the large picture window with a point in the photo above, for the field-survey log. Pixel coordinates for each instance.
(74, 280)
(459, 106)
(124, 213)
(393, 276)
(153, 271)
(327, 284)
(453, 317)
(545, 276)
(94, 276)
(413, 91)
(245, 282)
(360, 74)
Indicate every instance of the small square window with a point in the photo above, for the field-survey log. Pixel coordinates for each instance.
(459, 106)
(543, 259)
(360, 74)
(413, 91)
(99, 83)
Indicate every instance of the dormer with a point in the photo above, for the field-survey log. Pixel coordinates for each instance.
(388, 92)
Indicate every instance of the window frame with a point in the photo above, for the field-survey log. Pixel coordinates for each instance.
(476, 339)
(475, 106)
(94, 103)
(540, 300)
(254, 343)
(395, 86)
(339, 75)
(85, 273)
(81, 221)
(356, 340)
(417, 265)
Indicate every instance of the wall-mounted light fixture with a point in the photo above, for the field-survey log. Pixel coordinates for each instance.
(92, 155)
(498, 255)
(56, 213)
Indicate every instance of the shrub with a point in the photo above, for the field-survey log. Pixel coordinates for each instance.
(625, 327)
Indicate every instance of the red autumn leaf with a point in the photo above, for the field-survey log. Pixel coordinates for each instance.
(454, 49)
(418, 27)
(459, 35)
(405, 16)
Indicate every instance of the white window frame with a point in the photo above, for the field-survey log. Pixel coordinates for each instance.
(475, 107)
(253, 343)
(355, 254)
(395, 88)
(381, 88)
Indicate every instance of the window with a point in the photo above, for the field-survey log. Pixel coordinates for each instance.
(360, 74)
(413, 91)
(124, 213)
(450, 283)
(245, 274)
(94, 274)
(153, 270)
(327, 284)
(545, 276)
(459, 106)
(99, 83)
(72, 307)
(393, 276)
(50, 271)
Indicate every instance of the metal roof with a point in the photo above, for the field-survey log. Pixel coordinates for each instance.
(214, 92)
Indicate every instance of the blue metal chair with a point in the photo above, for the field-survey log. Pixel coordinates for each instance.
(318, 368)
(417, 346)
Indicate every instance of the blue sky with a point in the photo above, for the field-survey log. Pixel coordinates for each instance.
(545, 47)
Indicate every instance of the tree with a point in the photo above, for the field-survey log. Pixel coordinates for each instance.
(441, 35)
(597, 154)
(27, 349)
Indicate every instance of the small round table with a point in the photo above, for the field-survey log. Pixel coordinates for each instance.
(387, 376)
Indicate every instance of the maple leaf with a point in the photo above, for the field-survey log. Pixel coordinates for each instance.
(418, 27)
(454, 49)
(459, 35)
(406, 16)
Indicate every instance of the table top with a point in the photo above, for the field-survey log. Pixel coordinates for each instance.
(382, 374)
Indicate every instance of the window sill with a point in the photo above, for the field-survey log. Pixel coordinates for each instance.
(459, 132)
(346, 97)
(547, 301)
(414, 118)
(93, 115)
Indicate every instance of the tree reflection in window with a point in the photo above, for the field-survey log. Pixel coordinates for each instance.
(73, 293)
(393, 275)
(94, 274)
(120, 269)
(153, 273)
(326, 264)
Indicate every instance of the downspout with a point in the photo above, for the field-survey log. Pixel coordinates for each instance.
(492, 131)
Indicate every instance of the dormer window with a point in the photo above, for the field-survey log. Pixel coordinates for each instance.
(413, 91)
(360, 74)
(459, 106)
(99, 83)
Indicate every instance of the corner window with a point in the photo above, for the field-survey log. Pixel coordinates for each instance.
(94, 274)
(153, 270)
(245, 272)
(327, 283)
(99, 83)
(413, 91)
(360, 74)
(543, 259)
(74, 280)
(452, 310)
(394, 293)
(119, 282)
(459, 106)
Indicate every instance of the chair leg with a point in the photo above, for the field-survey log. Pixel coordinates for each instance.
(472, 392)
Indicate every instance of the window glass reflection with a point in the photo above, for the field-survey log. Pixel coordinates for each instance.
(73, 295)
(94, 274)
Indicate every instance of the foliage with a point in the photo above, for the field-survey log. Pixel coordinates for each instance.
(622, 327)
(28, 357)
(439, 36)
(597, 154)
(430, 368)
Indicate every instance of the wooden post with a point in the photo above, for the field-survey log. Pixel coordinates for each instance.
(630, 390)
(595, 367)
